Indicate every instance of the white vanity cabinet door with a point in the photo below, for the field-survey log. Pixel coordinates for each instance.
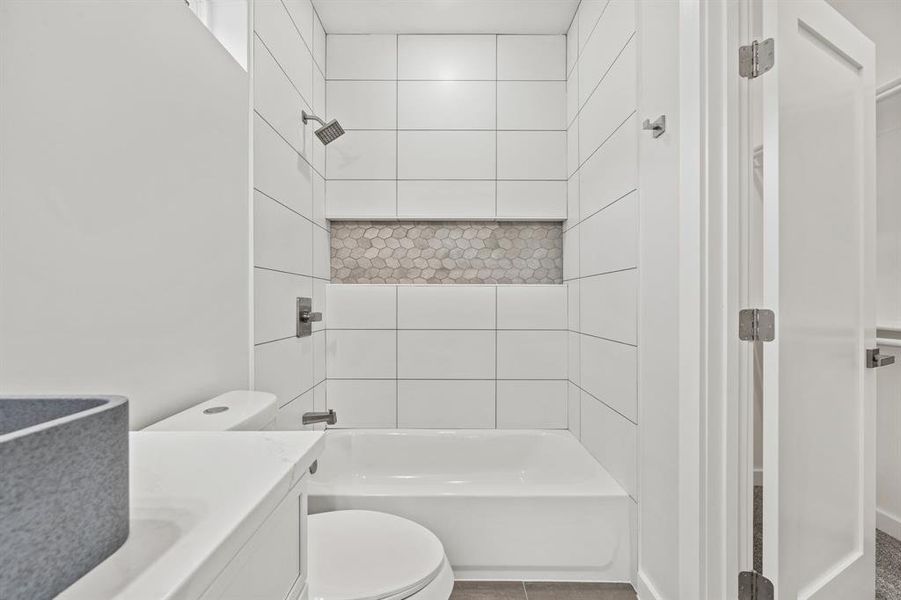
(272, 565)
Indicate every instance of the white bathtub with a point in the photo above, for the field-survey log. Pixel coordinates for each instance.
(531, 505)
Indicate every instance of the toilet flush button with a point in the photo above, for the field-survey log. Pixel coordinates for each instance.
(215, 410)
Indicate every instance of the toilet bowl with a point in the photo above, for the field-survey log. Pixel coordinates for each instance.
(365, 555)
(352, 554)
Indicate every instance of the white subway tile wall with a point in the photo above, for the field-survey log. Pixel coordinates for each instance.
(291, 245)
(600, 258)
(452, 127)
(463, 356)
(447, 127)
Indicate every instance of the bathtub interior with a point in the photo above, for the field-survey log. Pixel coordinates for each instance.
(508, 462)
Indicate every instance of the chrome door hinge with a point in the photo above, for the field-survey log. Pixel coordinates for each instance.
(756, 325)
(756, 59)
(754, 586)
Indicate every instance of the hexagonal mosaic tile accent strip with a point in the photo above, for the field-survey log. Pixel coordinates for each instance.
(446, 252)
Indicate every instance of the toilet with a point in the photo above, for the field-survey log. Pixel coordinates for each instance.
(352, 554)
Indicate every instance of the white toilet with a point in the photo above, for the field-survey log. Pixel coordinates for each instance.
(352, 554)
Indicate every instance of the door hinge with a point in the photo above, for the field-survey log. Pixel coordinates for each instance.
(756, 59)
(754, 586)
(756, 325)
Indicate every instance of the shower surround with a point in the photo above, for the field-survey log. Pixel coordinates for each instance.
(446, 305)
(446, 252)
(447, 127)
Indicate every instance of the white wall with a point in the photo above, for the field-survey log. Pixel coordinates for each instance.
(888, 208)
(663, 566)
(290, 233)
(888, 407)
(123, 205)
(448, 356)
(447, 127)
(601, 235)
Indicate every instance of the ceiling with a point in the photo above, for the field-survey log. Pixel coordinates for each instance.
(446, 16)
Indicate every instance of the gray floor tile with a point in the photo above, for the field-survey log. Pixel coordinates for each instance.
(579, 591)
(488, 590)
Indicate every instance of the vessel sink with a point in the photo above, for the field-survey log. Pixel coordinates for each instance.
(63, 490)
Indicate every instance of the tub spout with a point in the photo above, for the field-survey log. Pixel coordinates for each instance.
(329, 418)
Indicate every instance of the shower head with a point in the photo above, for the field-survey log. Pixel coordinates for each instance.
(329, 132)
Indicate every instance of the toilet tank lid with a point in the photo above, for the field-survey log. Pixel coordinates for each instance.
(236, 410)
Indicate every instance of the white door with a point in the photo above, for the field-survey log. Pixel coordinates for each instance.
(819, 278)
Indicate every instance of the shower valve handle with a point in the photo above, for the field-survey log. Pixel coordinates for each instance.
(309, 317)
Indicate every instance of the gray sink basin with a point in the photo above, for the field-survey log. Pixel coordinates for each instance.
(63, 490)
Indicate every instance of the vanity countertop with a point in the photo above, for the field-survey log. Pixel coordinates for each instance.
(196, 498)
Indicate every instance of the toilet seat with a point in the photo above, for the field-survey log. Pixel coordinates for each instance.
(365, 555)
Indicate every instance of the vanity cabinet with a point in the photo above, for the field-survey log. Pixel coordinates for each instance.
(272, 565)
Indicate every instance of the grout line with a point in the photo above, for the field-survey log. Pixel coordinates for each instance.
(457, 130)
(549, 219)
(290, 273)
(496, 385)
(282, 339)
(484, 329)
(600, 337)
(573, 20)
(604, 142)
(600, 210)
(282, 204)
(447, 34)
(396, 123)
(496, 139)
(593, 397)
(284, 72)
(601, 80)
(580, 277)
(594, 26)
(396, 357)
(309, 46)
(486, 81)
(525, 591)
(290, 145)
(560, 379)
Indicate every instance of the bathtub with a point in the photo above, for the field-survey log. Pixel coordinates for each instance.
(523, 505)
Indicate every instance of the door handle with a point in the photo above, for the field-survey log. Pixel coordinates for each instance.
(876, 360)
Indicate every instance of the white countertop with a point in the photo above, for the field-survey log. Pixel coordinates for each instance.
(196, 498)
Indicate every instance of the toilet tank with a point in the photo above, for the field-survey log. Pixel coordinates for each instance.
(232, 411)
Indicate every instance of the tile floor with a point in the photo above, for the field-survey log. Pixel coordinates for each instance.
(518, 590)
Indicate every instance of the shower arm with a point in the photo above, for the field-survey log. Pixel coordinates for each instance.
(306, 117)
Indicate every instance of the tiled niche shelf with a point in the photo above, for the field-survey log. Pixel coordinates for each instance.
(446, 252)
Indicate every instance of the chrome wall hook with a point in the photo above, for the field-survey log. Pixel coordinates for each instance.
(658, 126)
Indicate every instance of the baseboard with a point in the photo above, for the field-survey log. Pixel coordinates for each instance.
(889, 523)
(758, 476)
(645, 588)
